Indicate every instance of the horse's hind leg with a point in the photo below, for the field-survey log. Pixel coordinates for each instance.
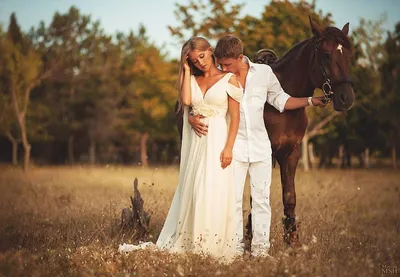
(249, 229)
(288, 166)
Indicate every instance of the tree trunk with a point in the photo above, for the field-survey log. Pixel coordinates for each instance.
(21, 111)
(394, 158)
(25, 143)
(143, 149)
(27, 156)
(366, 158)
(14, 148)
(71, 157)
(20, 115)
(304, 153)
(312, 155)
(92, 152)
(341, 157)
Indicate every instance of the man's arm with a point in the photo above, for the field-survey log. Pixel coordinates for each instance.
(199, 127)
(278, 98)
(301, 102)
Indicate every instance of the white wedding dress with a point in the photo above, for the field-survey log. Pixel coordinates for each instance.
(201, 218)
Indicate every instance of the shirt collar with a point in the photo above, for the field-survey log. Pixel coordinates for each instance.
(252, 67)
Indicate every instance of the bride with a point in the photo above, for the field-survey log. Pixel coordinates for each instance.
(201, 218)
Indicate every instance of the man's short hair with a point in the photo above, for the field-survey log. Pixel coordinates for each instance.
(228, 47)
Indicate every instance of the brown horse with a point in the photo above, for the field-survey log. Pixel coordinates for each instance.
(318, 62)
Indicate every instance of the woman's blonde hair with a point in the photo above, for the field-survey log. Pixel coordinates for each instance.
(195, 43)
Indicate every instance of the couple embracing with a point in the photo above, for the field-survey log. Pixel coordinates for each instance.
(223, 138)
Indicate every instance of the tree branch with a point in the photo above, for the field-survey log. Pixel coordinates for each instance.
(322, 123)
(319, 132)
(11, 137)
(36, 82)
(14, 99)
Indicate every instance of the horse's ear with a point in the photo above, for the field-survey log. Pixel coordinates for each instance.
(315, 28)
(345, 29)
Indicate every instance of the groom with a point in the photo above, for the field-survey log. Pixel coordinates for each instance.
(252, 149)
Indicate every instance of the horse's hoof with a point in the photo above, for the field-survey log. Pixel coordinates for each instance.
(291, 235)
(292, 239)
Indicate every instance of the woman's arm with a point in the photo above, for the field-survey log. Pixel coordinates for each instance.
(186, 93)
(234, 113)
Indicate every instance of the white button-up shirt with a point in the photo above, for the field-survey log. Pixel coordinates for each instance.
(252, 143)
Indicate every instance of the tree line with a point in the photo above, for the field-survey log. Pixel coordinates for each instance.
(71, 93)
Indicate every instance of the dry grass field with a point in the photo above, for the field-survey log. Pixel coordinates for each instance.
(64, 221)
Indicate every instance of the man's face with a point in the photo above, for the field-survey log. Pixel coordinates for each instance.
(230, 64)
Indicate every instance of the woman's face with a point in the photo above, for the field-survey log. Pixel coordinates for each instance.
(201, 59)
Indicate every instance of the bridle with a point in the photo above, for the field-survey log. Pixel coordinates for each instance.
(327, 85)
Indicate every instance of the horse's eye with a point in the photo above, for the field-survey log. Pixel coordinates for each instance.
(327, 56)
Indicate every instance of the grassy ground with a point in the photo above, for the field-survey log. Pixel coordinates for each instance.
(64, 221)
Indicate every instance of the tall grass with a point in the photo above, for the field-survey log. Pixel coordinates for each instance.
(64, 221)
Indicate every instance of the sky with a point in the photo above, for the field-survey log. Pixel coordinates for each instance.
(156, 15)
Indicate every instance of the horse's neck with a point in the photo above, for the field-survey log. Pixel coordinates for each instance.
(293, 69)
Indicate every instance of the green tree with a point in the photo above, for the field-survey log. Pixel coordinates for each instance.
(85, 84)
(281, 25)
(150, 95)
(7, 117)
(358, 133)
(63, 46)
(101, 91)
(21, 73)
(360, 122)
(212, 20)
(390, 94)
(8, 124)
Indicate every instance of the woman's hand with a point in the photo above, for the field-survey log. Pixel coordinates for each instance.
(226, 157)
(186, 66)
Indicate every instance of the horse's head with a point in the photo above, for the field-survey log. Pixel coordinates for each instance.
(331, 64)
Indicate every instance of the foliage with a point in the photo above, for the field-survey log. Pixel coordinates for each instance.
(390, 91)
(83, 94)
(281, 25)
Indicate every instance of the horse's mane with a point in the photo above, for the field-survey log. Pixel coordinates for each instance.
(297, 49)
(332, 33)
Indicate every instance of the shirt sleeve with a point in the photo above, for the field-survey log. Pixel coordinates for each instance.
(276, 96)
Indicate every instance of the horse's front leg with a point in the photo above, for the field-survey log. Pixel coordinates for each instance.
(288, 166)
